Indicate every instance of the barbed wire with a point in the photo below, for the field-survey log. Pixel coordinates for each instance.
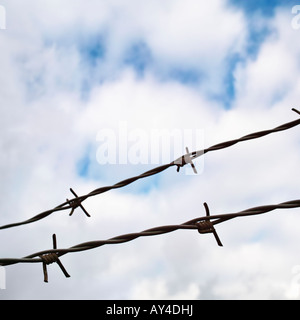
(204, 225)
(180, 162)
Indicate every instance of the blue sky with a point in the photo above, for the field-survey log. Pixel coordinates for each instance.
(266, 7)
(71, 75)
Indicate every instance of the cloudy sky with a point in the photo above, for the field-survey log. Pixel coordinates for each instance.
(80, 82)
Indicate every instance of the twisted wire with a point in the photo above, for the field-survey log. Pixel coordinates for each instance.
(180, 162)
(203, 224)
(49, 258)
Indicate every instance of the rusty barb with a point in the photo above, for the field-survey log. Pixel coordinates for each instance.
(186, 159)
(75, 203)
(52, 257)
(203, 224)
(179, 163)
(207, 226)
(297, 111)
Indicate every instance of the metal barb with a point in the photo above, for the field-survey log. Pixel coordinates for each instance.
(207, 226)
(75, 203)
(297, 111)
(186, 159)
(52, 257)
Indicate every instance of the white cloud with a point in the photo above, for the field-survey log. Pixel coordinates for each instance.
(182, 35)
(158, 289)
(272, 76)
(197, 34)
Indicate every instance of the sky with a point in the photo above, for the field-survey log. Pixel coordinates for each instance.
(91, 94)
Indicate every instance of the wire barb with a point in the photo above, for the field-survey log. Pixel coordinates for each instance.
(75, 203)
(186, 159)
(207, 226)
(52, 257)
(297, 111)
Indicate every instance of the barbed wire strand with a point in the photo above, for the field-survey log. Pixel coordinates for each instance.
(203, 224)
(180, 162)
